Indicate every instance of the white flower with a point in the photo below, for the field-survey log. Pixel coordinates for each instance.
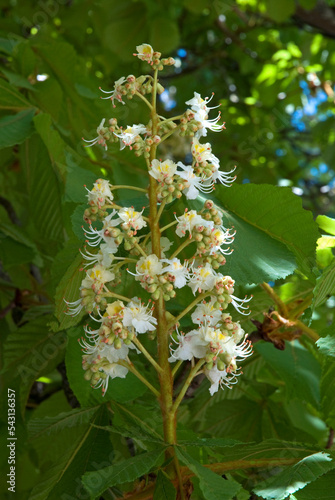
(224, 177)
(177, 270)
(144, 52)
(96, 278)
(219, 238)
(201, 116)
(203, 153)
(188, 221)
(100, 193)
(218, 378)
(190, 346)
(162, 170)
(198, 103)
(138, 316)
(128, 136)
(148, 266)
(100, 139)
(202, 279)
(194, 184)
(116, 93)
(104, 256)
(131, 219)
(95, 236)
(206, 313)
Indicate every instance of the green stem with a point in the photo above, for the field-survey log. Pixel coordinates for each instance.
(137, 374)
(193, 373)
(169, 225)
(277, 300)
(169, 133)
(200, 297)
(165, 377)
(309, 332)
(176, 367)
(160, 211)
(181, 247)
(134, 188)
(147, 355)
(140, 249)
(115, 296)
(144, 99)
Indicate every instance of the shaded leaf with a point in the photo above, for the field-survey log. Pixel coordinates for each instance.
(325, 285)
(213, 486)
(295, 477)
(15, 129)
(129, 470)
(297, 367)
(164, 489)
(10, 98)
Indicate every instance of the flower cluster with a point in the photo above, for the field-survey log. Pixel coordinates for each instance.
(126, 240)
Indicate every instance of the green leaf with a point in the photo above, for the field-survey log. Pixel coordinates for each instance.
(328, 393)
(164, 35)
(295, 477)
(271, 225)
(213, 486)
(10, 98)
(325, 286)
(31, 351)
(164, 489)
(18, 80)
(210, 442)
(327, 344)
(67, 446)
(42, 427)
(296, 367)
(44, 191)
(326, 223)
(307, 4)
(129, 470)
(68, 289)
(14, 253)
(322, 488)
(53, 142)
(15, 129)
(279, 11)
(128, 424)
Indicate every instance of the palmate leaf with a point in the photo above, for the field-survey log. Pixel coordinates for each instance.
(31, 351)
(326, 342)
(274, 234)
(325, 286)
(295, 477)
(213, 486)
(129, 470)
(15, 129)
(44, 192)
(269, 453)
(322, 488)
(297, 367)
(67, 446)
(264, 215)
(10, 98)
(164, 489)
(327, 392)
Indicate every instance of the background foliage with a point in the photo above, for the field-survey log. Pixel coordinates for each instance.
(270, 65)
